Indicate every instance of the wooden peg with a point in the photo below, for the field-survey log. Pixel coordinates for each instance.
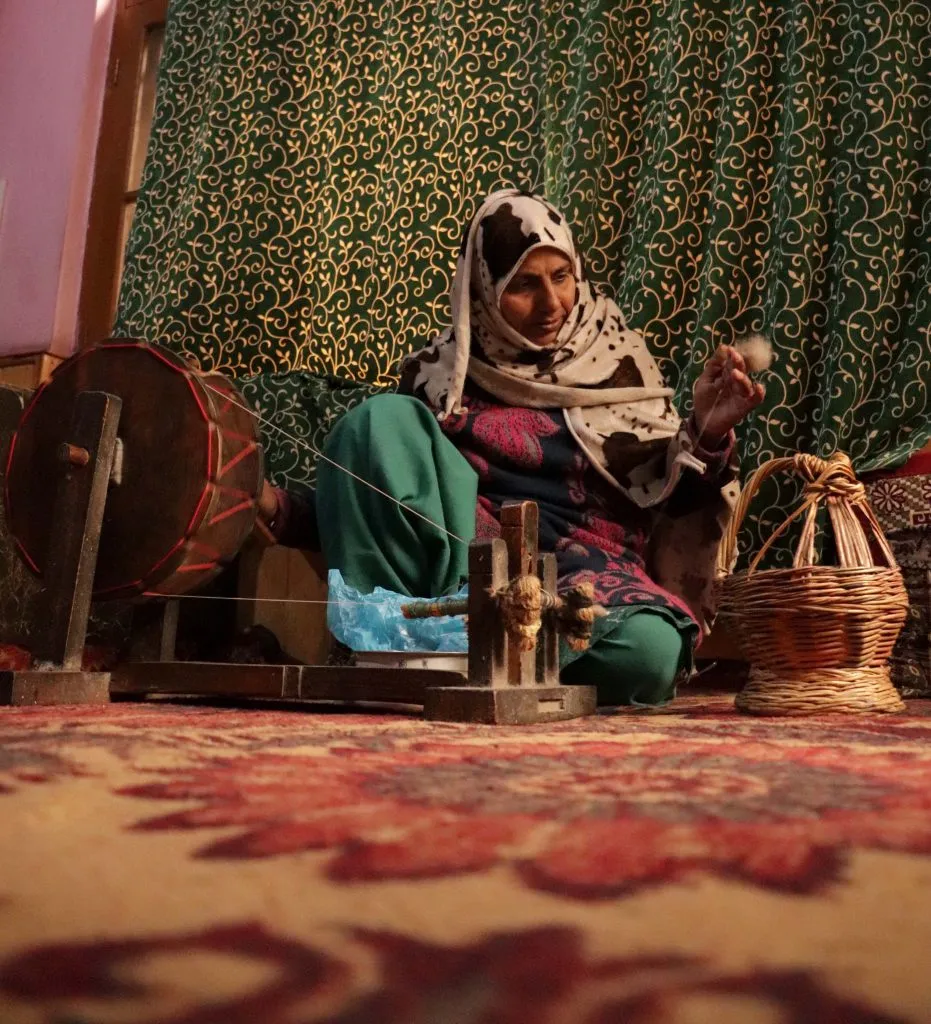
(74, 455)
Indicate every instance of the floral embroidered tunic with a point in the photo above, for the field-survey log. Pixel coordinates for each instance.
(596, 532)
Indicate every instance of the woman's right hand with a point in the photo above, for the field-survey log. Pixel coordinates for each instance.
(724, 394)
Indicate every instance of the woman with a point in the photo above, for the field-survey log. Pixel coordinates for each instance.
(539, 391)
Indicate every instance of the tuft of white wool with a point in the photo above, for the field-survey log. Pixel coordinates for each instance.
(757, 352)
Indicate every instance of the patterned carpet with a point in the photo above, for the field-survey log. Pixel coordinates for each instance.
(177, 864)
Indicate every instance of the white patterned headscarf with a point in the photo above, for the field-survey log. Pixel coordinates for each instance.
(598, 372)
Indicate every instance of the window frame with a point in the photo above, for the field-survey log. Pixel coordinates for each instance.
(103, 255)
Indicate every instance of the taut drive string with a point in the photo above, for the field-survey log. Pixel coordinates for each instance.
(312, 448)
(251, 600)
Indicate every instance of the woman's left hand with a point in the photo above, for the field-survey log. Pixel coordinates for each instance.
(268, 502)
(723, 395)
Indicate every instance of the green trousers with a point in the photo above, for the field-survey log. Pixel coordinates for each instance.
(395, 443)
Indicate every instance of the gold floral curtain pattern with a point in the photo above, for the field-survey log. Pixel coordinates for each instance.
(729, 166)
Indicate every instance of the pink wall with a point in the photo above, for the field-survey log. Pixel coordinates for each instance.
(53, 58)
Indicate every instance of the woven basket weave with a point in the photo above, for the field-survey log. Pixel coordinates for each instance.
(818, 638)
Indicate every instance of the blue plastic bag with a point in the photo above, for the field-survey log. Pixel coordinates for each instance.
(375, 622)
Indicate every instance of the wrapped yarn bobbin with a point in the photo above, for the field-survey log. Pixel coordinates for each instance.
(817, 637)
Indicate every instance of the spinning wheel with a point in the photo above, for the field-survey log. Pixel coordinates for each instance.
(156, 471)
(186, 477)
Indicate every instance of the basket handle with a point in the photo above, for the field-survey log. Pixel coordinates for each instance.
(832, 480)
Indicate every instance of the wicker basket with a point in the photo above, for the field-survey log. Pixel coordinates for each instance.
(818, 638)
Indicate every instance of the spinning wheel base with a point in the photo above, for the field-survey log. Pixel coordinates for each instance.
(54, 686)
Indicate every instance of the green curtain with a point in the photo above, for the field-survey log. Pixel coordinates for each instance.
(729, 166)
(297, 410)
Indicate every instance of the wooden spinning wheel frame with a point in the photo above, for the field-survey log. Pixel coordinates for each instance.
(156, 471)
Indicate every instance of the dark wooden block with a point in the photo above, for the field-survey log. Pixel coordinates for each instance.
(201, 678)
(280, 682)
(380, 685)
(514, 705)
(54, 686)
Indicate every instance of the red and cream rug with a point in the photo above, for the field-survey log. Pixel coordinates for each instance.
(185, 865)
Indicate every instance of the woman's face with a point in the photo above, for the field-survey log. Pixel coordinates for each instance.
(539, 296)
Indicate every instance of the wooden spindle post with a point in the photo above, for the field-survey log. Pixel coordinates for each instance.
(488, 643)
(520, 528)
(548, 640)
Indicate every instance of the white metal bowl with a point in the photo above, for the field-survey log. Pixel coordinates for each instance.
(443, 661)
